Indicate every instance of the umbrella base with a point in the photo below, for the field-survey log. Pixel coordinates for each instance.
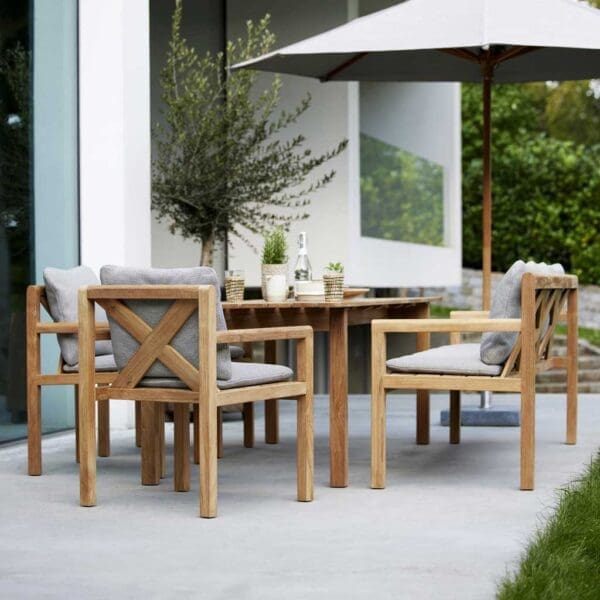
(473, 416)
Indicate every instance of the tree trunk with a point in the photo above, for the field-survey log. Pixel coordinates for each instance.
(208, 249)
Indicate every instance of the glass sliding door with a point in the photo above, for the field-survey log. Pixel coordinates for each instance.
(38, 186)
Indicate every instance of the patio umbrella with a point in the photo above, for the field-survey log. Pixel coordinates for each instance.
(463, 40)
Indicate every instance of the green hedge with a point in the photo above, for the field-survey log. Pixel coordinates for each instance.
(546, 191)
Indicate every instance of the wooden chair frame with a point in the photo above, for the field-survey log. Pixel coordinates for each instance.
(201, 381)
(542, 301)
(36, 300)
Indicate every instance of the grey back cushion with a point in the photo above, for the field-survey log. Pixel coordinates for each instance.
(506, 304)
(151, 311)
(62, 287)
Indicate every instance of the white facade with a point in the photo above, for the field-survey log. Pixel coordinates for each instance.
(114, 140)
(115, 89)
(423, 118)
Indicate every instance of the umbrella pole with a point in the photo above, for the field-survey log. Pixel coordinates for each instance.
(487, 185)
(488, 74)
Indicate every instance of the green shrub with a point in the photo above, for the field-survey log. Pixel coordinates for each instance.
(275, 247)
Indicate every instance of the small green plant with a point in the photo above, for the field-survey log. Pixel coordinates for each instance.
(275, 247)
(335, 267)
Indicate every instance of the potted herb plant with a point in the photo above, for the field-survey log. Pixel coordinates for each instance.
(274, 258)
(333, 281)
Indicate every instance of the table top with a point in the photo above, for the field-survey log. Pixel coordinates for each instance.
(347, 303)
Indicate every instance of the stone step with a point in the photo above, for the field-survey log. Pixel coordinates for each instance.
(560, 388)
(556, 376)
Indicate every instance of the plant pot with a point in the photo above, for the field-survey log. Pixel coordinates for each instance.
(267, 271)
(334, 286)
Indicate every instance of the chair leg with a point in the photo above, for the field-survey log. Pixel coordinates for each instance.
(219, 432)
(305, 452)
(378, 437)
(196, 418)
(138, 423)
(271, 406)
(150, 443)
(34, 429)
(248, 415)
(161, 439)
(208, 460)
(76, 408)
(104, 428)
(527, 435)
(423, 417)
(455, 417)
(572, 367)
(181, 420)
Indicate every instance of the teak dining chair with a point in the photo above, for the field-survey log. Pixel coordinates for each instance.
(170, 340)
(65, 375)
(459, 367)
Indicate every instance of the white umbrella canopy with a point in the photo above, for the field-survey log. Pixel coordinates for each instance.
(459, 40)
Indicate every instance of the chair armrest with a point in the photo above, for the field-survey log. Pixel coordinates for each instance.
(443, 325)
(470, 314)
(234, 336)
(102, 329)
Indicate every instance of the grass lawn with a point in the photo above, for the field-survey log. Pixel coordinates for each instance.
(562, 562)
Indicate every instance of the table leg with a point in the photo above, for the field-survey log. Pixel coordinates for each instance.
(338, 397)
(271, 406)
(423, 409)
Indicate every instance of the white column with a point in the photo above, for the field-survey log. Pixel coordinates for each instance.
(114, 129)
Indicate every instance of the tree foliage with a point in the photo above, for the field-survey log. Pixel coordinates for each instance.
(223, 162)
(546, 173)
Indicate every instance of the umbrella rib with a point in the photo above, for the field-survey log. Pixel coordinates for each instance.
(514, 52)
(343, 66)
(461, 53)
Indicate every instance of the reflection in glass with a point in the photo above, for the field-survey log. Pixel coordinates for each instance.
(15, 212)
(402, 195)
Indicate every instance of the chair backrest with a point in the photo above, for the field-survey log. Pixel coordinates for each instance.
(547, 296)
(61, 290)
(496, 347)
(152, 311)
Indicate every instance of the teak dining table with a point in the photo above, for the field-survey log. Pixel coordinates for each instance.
(335, 318)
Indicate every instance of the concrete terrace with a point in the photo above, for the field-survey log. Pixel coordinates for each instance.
(449, 525)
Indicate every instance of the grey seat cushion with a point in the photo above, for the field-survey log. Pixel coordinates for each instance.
(506, 304)
(151, 311)
(236, 352)
(62, 286)
(456, 359)
(106, 362)
(242, 375)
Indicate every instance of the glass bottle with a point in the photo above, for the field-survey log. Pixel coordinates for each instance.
(302, 270)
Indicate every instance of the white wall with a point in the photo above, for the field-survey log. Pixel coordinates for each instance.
(426, 115)
(424, 119)
(114, 125)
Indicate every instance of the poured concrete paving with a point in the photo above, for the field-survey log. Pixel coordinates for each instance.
(449, 525)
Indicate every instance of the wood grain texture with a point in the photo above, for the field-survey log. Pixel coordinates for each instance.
(87, 401)
(207, 344)
(196, 421)
(151, 450)
(34, 408)
(104, 428)
(181, 460)
(304, 421)
(378, 411)
(271, 406)
(423, 420)
(572, 366)
(338, 397)
(527, 375)
(138, 424)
